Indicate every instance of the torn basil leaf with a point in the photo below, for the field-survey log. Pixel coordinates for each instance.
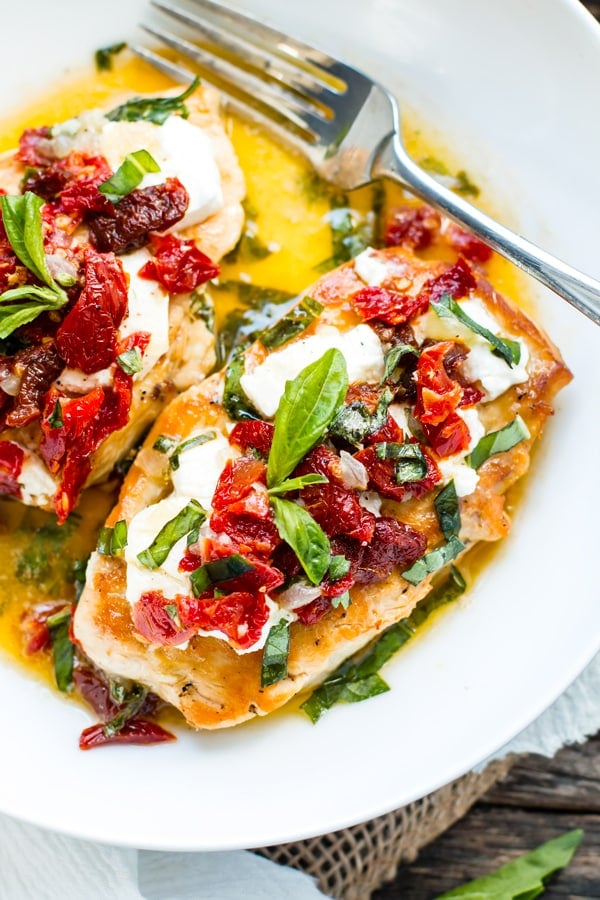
(338, 567)
(129, 174)
(446, 507)
(111, 541)
(153, 109)
(164, 443)
(56, 418)
(354, 422)
(130, 361)
(410, 463)
(393, 359)
(498, 442)
(292, 324)
(509, 350)
(432, 561)
(188, 519)
(217, 571)
(296, 484)
(104, 56)
(275, 654)
(235, 401)
(342, 600)
(63, 651)
(189, 444)
(307, 407)
(351, 233)
(305, 536)
(134, 699)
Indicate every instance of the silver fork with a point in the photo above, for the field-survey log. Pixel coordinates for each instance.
(345, 123)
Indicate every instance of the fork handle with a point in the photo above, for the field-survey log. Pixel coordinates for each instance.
(580, 290)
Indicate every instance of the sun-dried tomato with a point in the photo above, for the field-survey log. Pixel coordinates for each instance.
(252, 434)
(236, 480)
(145, 210)
(314, 611)
(78, 415)
(382, 475)
(241, 615)
(390, 432)
(34, 627)
(136, 731)
(412, 226)
(449, 437)
(394, 544)
(457, 280)
(34, 147)
(99, 311)
(390, 307)
(37, 367)
(250, 534)
(471, 396)
(95, 690)
(438, 395)
(466, 244)
(11, 464)
(153, 621)
(178, 265)
(260, 578)
(331, 589)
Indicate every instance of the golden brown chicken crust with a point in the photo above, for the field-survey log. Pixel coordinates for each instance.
(209, 682)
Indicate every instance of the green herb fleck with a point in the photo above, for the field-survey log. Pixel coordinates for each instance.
(411, 465)
(189, 444)
(354, 421)
(134, 699)
(446, 507)
(56, 417)
(217, 571)
(498, 442)
(236, 404)
(432, 561)
(112, 541)
(63, 651)
(275, 654)
(129, 174)
(188, 519)
(154, 109)
(338, 567)
(104, 56)
(292, 324)
(130, 361)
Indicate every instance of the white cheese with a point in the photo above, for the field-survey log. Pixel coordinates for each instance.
(371, 501)
(400, 416)
(148, 310)
(495, 375)
(361, 348)
(36, 483)
(200, 467)
(370, 269)
(454, 467)
(74, 381)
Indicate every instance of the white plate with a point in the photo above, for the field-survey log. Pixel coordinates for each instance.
(512, 85)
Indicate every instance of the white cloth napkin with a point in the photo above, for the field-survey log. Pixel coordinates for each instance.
(41, 865)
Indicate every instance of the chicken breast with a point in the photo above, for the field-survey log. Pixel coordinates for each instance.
(217, 684)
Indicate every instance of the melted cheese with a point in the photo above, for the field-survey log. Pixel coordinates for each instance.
(36, 483)
(148, 310)
(370, 268)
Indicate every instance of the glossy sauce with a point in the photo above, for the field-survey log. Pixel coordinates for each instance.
(290, 209)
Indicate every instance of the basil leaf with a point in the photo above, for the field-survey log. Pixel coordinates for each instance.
(306, 538)
(448, 308)
(410, 462)
(296, 484)
(351, 233)
(354, 679)
(189, 518)
(135, 699)
(129, 174)
(393, 359)
(250, 246)
(275, 654)
(338, 567)
(309, 403)
(446, 507)
(432, 561)
(130, 361)
(236, 404)
(353, 423)
(498, 442)
(56, 418)
(112, 540)
(342, 600)
(104, 56)
(196, 441)
(63, 651)
(524, 877)
(217, 571)
(292, 324)
(164, 443)
(153, 109)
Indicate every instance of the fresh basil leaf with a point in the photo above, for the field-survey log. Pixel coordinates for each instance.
(351, 233)
(63, 651)
(498, 442)
(195, 441)
(446, 507)
(524, 877)
(13, 316)
(353, 679)
(153, 109)
(217, 571)
(236, 404)
(432, 561)
(129, 174)
(338, 567)
(56, 418)
(296, 484)
(189, 518)
(292, 324)
(104, 56)
(134, 700)
(306, 538)
(111, 541)
(394, 358)
(164, 443)
(45, 560)
(275, 654)
(130, 361)
(342, 600)
(308, 405)
(353, 422)
(448, 308)
(79, 573)
(410, 462)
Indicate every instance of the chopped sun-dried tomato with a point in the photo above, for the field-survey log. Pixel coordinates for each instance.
(178, 265)
(438, 395)
(251, 533)
(37, 367)
(412, 226)
(98, 311)
(34, 148)
(34, 626)
(466, 244)
(11, 463)
(95, 690)
(314, 611)
(388, 306)
(151, 618)
(390, 432)
(241, 615)
(382, 476)
(136, 731)
(449, 437)
(78, 415)
(145, 210)
(394, 544)
(252, 434)
(236, 480)
(457, 280)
